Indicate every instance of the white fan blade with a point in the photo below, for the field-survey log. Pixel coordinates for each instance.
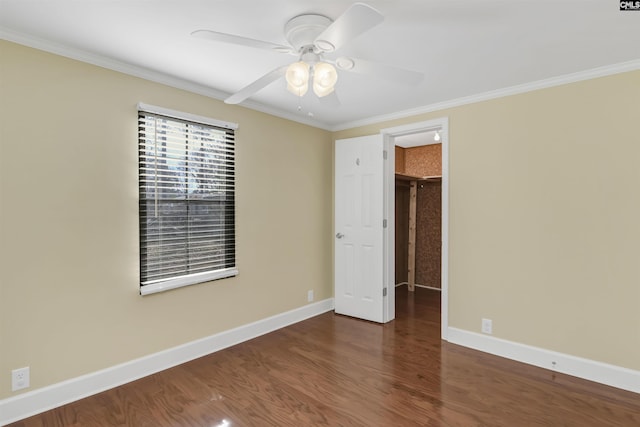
(353, 22)
(384, 71)
(254, 87)
(242, 41)
(330, 100)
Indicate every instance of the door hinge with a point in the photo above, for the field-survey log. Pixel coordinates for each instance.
(384, 223)
(384, 292)
(385, 154)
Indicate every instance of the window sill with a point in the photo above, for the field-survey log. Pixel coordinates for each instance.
(192, 279)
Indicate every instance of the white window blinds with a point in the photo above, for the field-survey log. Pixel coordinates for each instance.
(187, 201)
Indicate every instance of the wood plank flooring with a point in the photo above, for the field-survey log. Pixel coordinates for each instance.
(337, 371)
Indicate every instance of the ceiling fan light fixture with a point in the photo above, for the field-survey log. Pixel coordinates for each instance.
(297, 76)
(310, 36)
(325, 78)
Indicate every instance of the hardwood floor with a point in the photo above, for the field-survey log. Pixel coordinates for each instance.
(337, 371)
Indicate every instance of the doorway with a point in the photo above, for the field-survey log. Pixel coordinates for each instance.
(418, 191)
(390, 137)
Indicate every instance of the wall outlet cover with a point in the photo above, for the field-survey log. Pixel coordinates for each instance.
(20, 378)
(487, 326)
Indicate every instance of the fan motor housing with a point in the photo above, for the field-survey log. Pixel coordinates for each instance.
(303, 30)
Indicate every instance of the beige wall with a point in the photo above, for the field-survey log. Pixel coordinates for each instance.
(69, 302)
(545, 217)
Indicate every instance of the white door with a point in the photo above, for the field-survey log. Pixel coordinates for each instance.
(359, 207)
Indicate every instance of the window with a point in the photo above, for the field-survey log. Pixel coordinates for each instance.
(187, 199)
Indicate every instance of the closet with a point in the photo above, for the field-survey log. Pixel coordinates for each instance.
(418, 209)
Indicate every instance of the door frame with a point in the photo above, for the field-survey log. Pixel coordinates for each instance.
(389, 135)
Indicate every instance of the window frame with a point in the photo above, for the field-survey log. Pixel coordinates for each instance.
(164, 284)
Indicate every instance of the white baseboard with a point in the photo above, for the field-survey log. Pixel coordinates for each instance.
(31, 403)
(603, 373)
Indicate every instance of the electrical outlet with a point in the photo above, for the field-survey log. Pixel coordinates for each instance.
(309, 295)
(19, 379)
(487, 326)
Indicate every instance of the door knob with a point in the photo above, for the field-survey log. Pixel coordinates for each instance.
(339, 235)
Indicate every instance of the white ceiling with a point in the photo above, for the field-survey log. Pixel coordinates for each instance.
(464, 47)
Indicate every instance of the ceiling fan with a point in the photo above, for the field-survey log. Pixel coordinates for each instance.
(310, 37)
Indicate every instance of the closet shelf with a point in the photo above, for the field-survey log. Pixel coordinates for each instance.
(418, 178)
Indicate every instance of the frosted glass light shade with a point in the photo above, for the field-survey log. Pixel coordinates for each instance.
(325, 78)
(298, 78)
(298, 90)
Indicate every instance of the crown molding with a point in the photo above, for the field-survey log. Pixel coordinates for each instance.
(499, 93)
(108, 63)
(166, 79)
(145, 73)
